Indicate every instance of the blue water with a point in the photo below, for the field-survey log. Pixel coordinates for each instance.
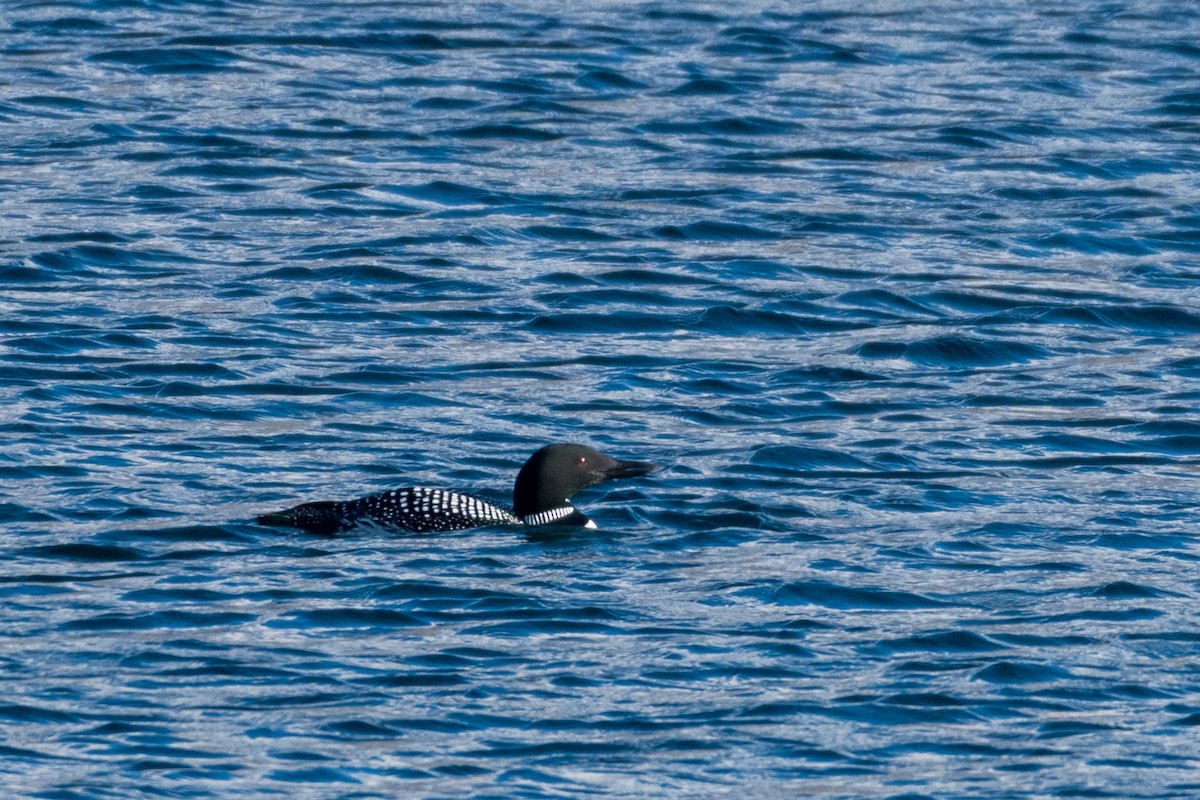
(906, 297)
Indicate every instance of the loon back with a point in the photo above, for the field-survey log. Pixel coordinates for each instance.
(541, 496)
(417, 509)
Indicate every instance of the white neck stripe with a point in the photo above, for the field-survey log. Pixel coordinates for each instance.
(547, 517)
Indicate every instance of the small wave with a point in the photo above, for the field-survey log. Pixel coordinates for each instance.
(955, 351)
(947, 642)
(796, 457)
(1015, 672)
(607, 80)
(832, 595)
(516, 133)
(173, 60)
(346, 618)
(712, 230)
(157, 620)
(706, 86)
(84, 551)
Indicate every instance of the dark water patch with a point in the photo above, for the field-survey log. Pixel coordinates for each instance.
(91, 260)
(505, 608)
(84, 551)
(955, 352)
(448, 193)
(622, 277)
(819, 375)
(833, 154)
(832, 595)
(879, 300)
(226, 170)
(96, 237)
(157, 621)
(24, 714)
(1121, 615)
(1058, 194)
(1165, 428)
(970, 137)
(361, 729)
(747, 39)
(417, 679)
(1036, 640)
(795, 457)
(726, 319)
(26, 753)
(177, 595)
(503, 749)
(172, 60)
(1025, 401)
(14, 513)
(317, 775)
(1190, 720)
(360, 41)
(724, 126)
(929, 700)
(516, 133)
(615, 323)
(1125, 590)
(676, 196)
(715, 231)
(706, 86)
(310, 700)
(1141, 319)
(346, 618)
(59, 25)
(887, 714)
(605, 80)
(1139, 541)
(193, 370)
(1059, 729)
(948, 642)
(46, 105)
(25, 581)
(521, 629)
(1012, 672)
(446, 103)
(355, 274)
(1091, 244)
(562, 233)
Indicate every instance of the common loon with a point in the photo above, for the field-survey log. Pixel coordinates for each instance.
(541, 496)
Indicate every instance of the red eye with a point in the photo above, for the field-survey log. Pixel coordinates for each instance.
(582, 461)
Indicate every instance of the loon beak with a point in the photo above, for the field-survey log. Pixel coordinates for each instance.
(628, 469)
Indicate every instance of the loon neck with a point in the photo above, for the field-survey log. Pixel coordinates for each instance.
(540, 495)
(561, 515)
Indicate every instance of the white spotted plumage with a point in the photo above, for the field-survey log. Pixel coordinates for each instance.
(551, 516)
(422, 509)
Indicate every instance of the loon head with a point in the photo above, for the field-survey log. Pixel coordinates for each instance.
(553, 474)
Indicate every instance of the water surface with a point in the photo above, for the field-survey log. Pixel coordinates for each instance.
(904, 295)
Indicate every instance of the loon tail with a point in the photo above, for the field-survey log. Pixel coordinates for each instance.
(321, 517)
